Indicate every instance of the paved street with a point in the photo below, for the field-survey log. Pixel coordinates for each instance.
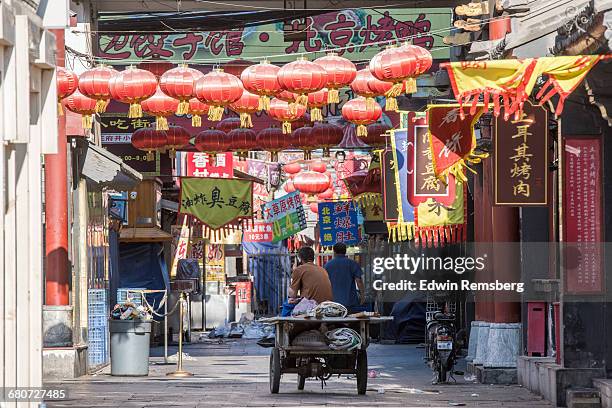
(235, 373)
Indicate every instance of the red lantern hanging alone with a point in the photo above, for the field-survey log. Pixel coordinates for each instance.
(179, 83)
(327, 136)
(218, 89)
(376, 135)
(292, 168)
(197, 108)
(340, 72)
(66, 82)
(242, 140)
(178, 138)
(368, 86)
(302, 139)
(396, 65)
(94, 83)
(149, 140)
(83, 105)
(302, 77)
(132, 86)
(319, 166)
(316, 100)
(261, 79)
(311, 182)
(156, 67)
(424, 58)
(280, 110)
(245, 106)
(358, 111)
(161, 106)
(273, 140)
(212, 142)
(228, 124)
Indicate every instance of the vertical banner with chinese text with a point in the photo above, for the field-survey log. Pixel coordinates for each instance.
(338, 223)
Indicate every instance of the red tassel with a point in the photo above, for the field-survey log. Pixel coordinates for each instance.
(474, 104)
(507, 107)
(545, 87)
(496, 107)
(487, 95)
(559, 109)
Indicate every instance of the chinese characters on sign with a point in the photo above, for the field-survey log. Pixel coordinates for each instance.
(198, 165)
(260, 231)
(583, 216)
(286, 214)
(338, 223)
(215, 263)
(521, 158)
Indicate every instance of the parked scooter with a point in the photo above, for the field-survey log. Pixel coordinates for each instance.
(441, 344)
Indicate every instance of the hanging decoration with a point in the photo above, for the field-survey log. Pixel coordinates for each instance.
(338, 222)
(94, 83)
(359, 112)
(302, 77)
(149, 140)
(273, 140)
(217, 203)
(262, 79)
(326, 195)
(319, 166)
(367, 85)
(398, 66)
(218, 89)
(302, 139)
(292, 168)
(289, 187)
(376, 136)
(242, 140)
(340, 72)
(177, 138)
(66, 82)
(311, 182)
(364, 186)
(132, 86)
(212, 142)
(84, 106)
(513, 80)
(316, 101)
(423, 58)
(228, 124)
(286, 214)
(197, 108)
(245, 106)
(179, 83)
(452, 140)
(326, 135)
(161, 106)
(156, 67)
(279, 110)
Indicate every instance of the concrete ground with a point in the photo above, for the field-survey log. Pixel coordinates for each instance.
(234, 373)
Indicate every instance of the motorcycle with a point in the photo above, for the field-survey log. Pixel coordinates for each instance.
(442, 345)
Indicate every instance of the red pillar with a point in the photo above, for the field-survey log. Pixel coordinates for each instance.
(57, 271)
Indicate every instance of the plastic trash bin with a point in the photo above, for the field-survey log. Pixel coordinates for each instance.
(129, 347)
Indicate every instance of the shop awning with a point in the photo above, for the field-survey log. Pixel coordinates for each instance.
(144, 235)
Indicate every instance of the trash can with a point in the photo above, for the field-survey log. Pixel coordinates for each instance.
(129, 347)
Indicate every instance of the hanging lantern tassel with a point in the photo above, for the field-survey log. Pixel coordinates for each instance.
(396, 90)
(182, 108)
(86, 121)
(150, 155)
(302, 100)
(410, 85)
(316, 115)
(333, 96)
(196, 121)
(362, 130)
(370, 103)
(60, 110)
(161, 123)
(215, 113)
(101, 105)
(245, 120)
(135, 111)
(264, 102)
(391, 104)
(172, 153)
(286, 128)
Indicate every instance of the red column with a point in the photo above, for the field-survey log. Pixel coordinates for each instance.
(57, 271)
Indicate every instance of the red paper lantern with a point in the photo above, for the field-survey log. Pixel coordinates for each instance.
(396, 65)
(242, 140)
(132, 86)
(156, 67)
(281, 111)
(302, 139)
(358, 111)
(368, 86)
(340, 72)
(218, 89)
(66, 82)
(228, 124)
(161, 106)
(319, 166)
(197, 108)
(424, 58)
(287, 96)
(292, 168)
(178, 138)
(179, 83)
(327, 136)
(316, 100)
(376, 135)
(261, 79)
(273, 140)
(302, 77)
(212, 142)
(311, 182)
(245, 106)
(149, 140)
(326, 195)
(289, 187)
(94, 83)
(83, 105)
(314, 207)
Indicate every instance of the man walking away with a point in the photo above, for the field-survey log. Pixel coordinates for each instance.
(345, 276)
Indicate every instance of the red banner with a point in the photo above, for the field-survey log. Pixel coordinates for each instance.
(260, 231)
(198, 165)
(583, 215)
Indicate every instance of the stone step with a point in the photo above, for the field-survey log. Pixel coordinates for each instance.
(604, 386)
(583, 398)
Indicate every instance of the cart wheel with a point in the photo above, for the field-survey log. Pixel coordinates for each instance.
(301, 382)
(275, 370)
(362, 372)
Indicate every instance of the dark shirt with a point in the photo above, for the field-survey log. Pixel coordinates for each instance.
(342, 273)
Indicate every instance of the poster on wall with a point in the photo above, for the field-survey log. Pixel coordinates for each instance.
(214, 263)
(286, 214)
(199, 165)
(338, 222)
(584, 271)
(259, 231)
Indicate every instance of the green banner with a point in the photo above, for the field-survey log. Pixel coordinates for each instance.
(217, 202)
(286, 214)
